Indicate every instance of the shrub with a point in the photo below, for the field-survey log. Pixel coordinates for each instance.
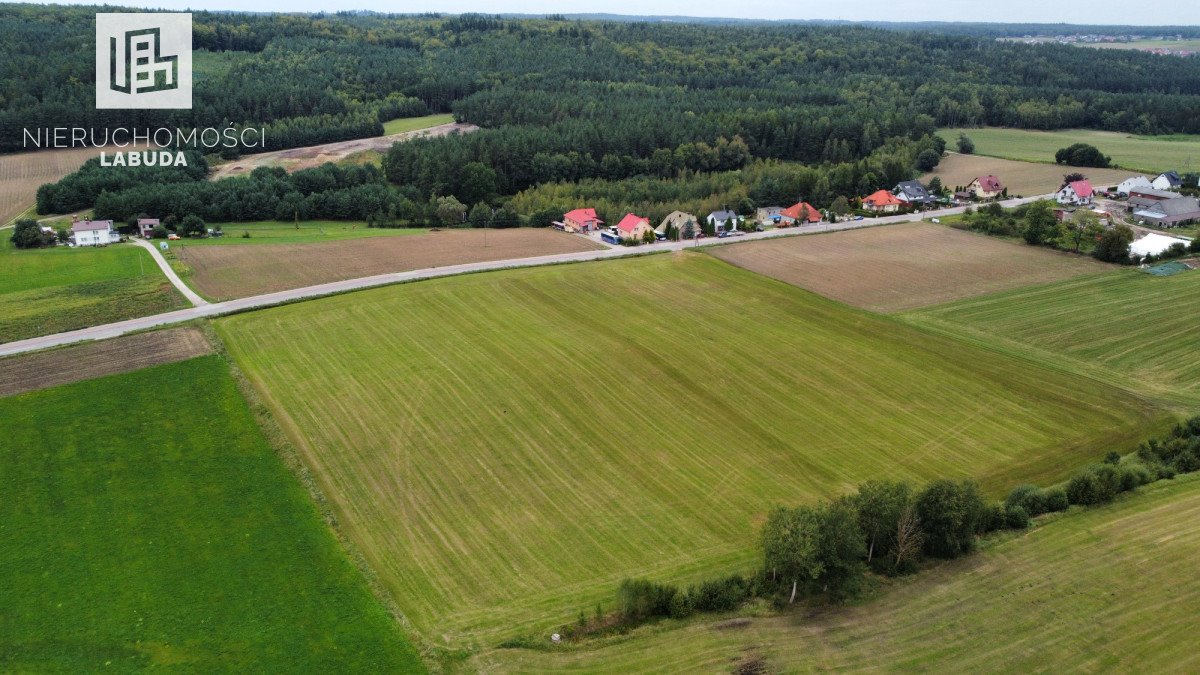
(1016, 518)
(992, 518)
(1133, 476)
(950, 515)
(1055, 500)
(1029, 497)
(639, 600)
(1082, 489)
(719, 595)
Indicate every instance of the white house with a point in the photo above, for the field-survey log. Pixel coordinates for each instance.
(1154, 244)
(1133, 183)
(724, 220)
(1167, 181)
(1075, 193)
(93, 233)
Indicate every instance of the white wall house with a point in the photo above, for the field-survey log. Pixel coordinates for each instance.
(1167, 181)
(1133, 183)
(94, 233)
(1075, 193)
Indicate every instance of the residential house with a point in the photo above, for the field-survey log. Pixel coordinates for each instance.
(581, 220)
(986, 187)
(801, 213)
(1133, 183)
(1141, 198)
(723, 220)
(1167, 181)
(882, 202)
(912, 192)
(633, 227)
(93, 233)
(1170, 212)
(768, 215)
(678, 220)
(146, 226)
(1075, 193)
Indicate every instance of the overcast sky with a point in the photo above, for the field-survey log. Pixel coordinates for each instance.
(1180, 12)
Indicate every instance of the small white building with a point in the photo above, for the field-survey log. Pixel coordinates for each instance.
(1133, 183)
(1154, 244)
(1167, 181)
(93, 233)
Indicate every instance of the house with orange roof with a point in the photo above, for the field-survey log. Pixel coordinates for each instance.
(633, 227)
(581, 220)
(800, 212)
(882, 202)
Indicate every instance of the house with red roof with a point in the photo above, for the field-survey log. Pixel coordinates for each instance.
(1075, 193)
(633, 227)
(581, 220)
(800, 212)
(986, 187)
(882, 202)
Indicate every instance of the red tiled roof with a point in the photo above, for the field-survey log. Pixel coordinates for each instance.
(1082, 188)
(989, 183)
(582, 215)
(793, 212)
(630, 222)
(882, 198)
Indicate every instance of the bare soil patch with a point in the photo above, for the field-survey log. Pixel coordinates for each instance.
(1026, 179)
(899, 267)
(294, 159)
(228, 272)
(23, 173)
(41, 370)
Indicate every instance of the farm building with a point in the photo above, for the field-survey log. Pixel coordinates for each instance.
(1167, 181)
(679, 220)
(724, 220)
(93, 233)
(1154, 244)
(146, 226)
(768, 215)
(633, 227)
(912, 192)
(800, 212)
(1133, 183)
(1140, 198)
(882, 202)
(986, 187)
(1075, 193)
(1170, 212)
(581, 220)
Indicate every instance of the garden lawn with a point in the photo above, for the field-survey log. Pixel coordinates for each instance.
(146, 523)
(505, 447)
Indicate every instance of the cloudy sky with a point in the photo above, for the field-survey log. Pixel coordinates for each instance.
(1186, 12)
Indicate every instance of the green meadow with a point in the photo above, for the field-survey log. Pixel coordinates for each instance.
(147, 524)
(302, 232)
(1147, 154)
(505, 447)
(59, 289)
(403, 124)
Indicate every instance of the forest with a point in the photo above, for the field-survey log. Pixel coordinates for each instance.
(563, 101)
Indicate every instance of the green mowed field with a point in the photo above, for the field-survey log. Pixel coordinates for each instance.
(60, 289)
(1106, 590)
(505, 447)
(146, 523)
(1127, 327)
(304, 232)
(1148, 154)
(403, 124)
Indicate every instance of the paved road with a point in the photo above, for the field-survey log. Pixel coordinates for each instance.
(205, 309)
(166, 268)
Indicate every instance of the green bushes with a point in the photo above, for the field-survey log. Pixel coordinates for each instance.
(951, 514)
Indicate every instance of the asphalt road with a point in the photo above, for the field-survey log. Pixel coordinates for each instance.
(204, 309)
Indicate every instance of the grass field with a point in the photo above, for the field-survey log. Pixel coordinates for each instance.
(23, 173)
(1106, 590)
(148, 524)
(399, 126)
(60, 289)
(1147, 154)
(505, 447)
(305, 232)
(1128, 327)
(1027, 179)
(225, 272)
(1146, 45)
(898, 267)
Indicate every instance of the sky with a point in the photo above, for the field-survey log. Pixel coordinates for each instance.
(1186, 12)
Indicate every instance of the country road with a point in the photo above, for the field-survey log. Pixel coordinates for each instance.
(163, 265)
(204, 309)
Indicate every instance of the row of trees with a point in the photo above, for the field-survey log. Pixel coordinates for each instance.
(889, 528)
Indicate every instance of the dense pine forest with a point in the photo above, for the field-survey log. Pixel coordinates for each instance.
(571, 100)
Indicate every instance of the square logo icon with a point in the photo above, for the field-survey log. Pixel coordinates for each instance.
(144, 61)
